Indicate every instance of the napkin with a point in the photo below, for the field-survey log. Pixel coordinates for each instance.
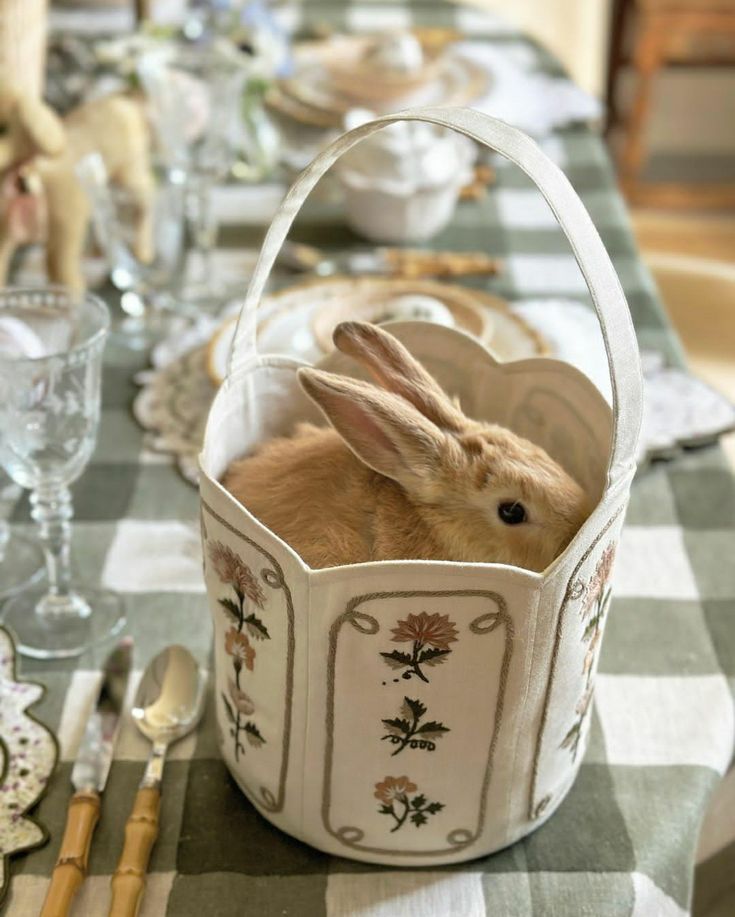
(530, 100)
(18, 340)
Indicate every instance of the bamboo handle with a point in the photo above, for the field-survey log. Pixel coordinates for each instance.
(71, 865)
(141, 831)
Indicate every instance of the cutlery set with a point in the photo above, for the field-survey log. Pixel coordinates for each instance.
(392, 262)
(167, 706)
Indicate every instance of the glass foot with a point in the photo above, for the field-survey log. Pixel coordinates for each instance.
(99, 616)
(208, 298)
(141, 333)
(21, 566)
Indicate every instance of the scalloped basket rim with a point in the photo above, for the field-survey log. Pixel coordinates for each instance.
(516, 366)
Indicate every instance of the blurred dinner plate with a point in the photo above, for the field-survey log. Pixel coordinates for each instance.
(298, 321)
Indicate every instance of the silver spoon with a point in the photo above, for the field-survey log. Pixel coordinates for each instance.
(168, 704)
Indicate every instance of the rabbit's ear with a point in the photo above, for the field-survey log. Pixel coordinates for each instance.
(383, 430)
(42, 125)
(397, 371)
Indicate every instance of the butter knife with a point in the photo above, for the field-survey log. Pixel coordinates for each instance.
(393, 262)
(88, 777)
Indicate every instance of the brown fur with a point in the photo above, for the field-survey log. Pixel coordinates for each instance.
(113, 126)
(403, 474)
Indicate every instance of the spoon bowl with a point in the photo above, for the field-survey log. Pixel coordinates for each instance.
(170, 697)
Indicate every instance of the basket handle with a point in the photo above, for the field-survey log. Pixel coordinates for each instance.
(603, 283)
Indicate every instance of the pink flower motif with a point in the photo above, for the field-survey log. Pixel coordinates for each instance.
(243, 703)
(598, 579)
(391, 788)
(436, 630)
(238, 645)
(234, 572)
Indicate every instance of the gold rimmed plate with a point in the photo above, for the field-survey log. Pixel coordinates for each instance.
(299, 320)
(314, 96)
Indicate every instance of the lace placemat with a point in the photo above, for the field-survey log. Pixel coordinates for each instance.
(680, 410)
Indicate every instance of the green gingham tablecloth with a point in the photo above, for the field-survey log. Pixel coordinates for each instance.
(624, 840)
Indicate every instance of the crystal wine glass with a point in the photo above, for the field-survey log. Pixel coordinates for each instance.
(49, 413)
(21, 561)
(195, 94)
(148, 287)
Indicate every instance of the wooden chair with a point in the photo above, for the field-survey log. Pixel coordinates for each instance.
(668, 31)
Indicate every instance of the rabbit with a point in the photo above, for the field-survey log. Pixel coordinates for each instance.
(38, 148)
(402, 473)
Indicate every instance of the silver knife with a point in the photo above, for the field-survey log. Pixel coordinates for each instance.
(88, 777)
(393, 262)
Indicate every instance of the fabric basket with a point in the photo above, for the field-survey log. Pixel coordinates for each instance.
(335, 718)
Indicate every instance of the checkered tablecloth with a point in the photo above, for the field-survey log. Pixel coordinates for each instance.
(624, 840)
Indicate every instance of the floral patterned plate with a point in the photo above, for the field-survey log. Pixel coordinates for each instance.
(28, 756)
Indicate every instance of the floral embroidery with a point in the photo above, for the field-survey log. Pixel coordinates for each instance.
(238, 646)
(571, 739)
(233, 572)
(595, 600)
(596, 595)
(395, 796)
(240, 699)
(236, 574)
(598, 580)
(430, 636)
(405, 730)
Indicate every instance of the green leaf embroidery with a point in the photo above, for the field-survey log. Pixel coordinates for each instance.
(403, 808)
(433, 656)
(230, 713)
(396, 659)
(253, 735)
(256, 628)
(413, 707)
(397, 725)
(405, 732)
(432, 727)
(231, 608)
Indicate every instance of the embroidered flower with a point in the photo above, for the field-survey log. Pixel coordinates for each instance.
(584, 702)
(238, 646)
(407, 730)
(232, 571)
(436, 630)
(240, 699)
(589, 657)
(398, 803)
(598, 579)
(430, 636)
(391, 788)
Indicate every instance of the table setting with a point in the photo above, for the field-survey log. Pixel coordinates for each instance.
(109, 658)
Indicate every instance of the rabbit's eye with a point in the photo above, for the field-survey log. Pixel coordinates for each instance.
(512, 513)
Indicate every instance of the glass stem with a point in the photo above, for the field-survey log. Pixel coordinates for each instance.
(51, 510)
(202, 227)
(4, 538)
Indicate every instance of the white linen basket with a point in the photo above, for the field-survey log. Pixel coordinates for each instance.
(335, 718)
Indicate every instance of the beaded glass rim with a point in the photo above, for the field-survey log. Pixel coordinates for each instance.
(51, 296)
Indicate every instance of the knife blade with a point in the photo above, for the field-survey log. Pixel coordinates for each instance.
(404, 263)
(89, 776)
